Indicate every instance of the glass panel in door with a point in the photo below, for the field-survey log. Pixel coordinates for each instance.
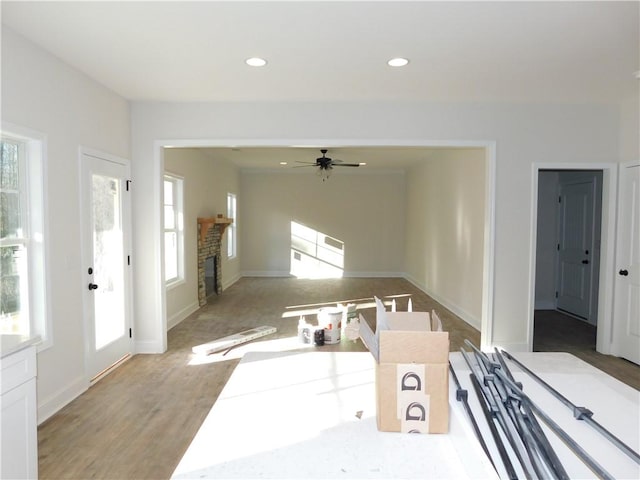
(108, 263)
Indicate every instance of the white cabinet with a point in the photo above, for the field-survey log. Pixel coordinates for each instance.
(18, 420)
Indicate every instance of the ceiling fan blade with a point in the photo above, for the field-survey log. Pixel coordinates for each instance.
(346, 165)
(307, 165)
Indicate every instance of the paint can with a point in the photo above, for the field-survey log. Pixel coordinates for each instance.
(330, 320)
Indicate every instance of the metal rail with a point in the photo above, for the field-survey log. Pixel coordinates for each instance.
(544, 446)
(462, 396)
(579, 413)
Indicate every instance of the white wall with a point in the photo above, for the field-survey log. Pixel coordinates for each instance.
(363, 210)
(206, 184)
(630, 128)
(445, 229)
(41, 93)
(523, 134)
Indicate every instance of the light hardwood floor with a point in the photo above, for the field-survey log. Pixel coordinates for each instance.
(138, 421)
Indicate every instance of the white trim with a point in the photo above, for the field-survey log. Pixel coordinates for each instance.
(373, 274)
(607, 258)
(265, 273)
(160, 292)
(607, 247)
(127, 225)
(489, 244)
(178, 183)
(37, 157)
(488, 265)
(103, 156)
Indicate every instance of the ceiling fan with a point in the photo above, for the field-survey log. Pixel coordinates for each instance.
(326, 164)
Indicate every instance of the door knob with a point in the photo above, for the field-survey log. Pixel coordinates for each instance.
(586, 262)
(624, 273)
(93, 286)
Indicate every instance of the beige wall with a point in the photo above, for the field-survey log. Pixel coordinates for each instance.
(445, 229)
(206, 184)
(365, 211)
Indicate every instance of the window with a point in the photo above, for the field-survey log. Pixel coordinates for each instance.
(173, 230)
(232, 229)
(23, 303)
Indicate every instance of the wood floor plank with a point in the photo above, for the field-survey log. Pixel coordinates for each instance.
(138, 421)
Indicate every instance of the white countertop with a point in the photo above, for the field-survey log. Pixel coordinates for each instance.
(312, 415)
(295, 415)
(14, 343)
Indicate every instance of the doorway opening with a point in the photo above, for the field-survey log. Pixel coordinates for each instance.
(568, 250)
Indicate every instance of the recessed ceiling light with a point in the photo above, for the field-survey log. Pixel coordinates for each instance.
(398, 62)
(283, 163)
(255, 62)
(362, 164)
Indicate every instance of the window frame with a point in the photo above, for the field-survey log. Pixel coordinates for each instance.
(232, 237)
(35, 235)
(178, 212)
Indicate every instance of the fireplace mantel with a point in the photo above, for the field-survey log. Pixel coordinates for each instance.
(206, 223)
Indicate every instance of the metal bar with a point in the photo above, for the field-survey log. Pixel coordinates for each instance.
(520, 445)
(498, 413)
(462, 396)
(545, 448)
(580, 413)
(504, 456)
(566, 438)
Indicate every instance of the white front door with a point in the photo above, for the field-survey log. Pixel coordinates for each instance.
(575, 247)
(626, 318)
(106, 261)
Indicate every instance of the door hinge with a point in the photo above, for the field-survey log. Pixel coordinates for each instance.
(556, 294)
(558, 247)
(128, 259)
(128, 184)
(560, 199)
(130, 333)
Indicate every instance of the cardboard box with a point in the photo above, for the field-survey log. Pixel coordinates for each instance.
(412, 375)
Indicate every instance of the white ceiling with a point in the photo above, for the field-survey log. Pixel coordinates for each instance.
(337, 51)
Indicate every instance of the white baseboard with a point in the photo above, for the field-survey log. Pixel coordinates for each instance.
(265, 273)
(276, 273)
(455, 309)
(373, 275)
(178, 317)
(61, 398)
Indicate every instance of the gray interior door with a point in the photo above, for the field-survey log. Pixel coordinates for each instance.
(576, 247)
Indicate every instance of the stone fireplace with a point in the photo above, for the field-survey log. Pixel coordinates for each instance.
(210, 256)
